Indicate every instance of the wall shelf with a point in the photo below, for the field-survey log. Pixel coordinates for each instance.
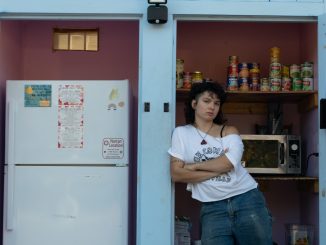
(305, 183)
(255, 102)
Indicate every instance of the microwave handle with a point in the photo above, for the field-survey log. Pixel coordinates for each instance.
(281, 153)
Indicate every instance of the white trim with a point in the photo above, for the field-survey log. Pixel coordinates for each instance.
(245, 18)
(68, 16)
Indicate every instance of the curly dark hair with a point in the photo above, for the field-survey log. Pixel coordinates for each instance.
(196, 90)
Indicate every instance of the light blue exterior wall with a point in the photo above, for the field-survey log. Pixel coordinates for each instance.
(157, 86)
(322, 132)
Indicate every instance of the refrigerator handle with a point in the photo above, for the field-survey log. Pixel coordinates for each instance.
(10, 196)
(10, 166)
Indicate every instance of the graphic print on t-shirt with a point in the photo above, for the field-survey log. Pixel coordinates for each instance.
(208, 153)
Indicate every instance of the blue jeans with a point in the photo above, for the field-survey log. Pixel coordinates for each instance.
(242, 220)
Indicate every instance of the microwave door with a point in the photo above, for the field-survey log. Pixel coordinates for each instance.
(281, 160)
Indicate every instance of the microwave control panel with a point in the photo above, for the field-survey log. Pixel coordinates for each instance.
(294, 156)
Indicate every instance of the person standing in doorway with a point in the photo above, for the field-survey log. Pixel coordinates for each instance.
(206, 154)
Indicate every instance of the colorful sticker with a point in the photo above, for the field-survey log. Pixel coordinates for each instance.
(114, 100)
(38, 95)
(113, 148)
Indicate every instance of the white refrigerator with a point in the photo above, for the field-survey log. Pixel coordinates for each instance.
(66, 167)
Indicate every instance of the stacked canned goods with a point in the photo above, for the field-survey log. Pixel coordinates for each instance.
(264, 84)
(254, 76)
(179, 73)
(233, 73)
(307, 75)
(275, 71)
(243, 81)
(295, 74)
(286, 80)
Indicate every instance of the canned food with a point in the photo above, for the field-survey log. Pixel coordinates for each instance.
(275, 52)
(286, 84)
(264, 84)
(232, 83)
(307, 83)
(243, 70)
(254, 84)
(187, 80)
(297, 84)
(233, 59)
(254, 70)
(243, 84)
(307, 69)
(179, 79)
(197, 77)
(285, 71)
(295, 71)
(275, 84)
(180, 66)
(233, 70)
(275, 70)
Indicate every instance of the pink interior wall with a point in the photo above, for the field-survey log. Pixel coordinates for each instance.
(117, 57)
(206, 46)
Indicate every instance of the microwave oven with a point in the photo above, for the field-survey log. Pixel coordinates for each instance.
(272, 154)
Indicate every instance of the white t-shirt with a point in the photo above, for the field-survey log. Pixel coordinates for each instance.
(186, 145)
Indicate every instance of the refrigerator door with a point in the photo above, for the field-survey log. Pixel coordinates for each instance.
(67, 122)
(68, 205)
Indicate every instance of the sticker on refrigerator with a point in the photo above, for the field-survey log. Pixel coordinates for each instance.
(70, 137)
(71, 116)
(71, 95)
(113, 148)
(114, 100)
(37, 95)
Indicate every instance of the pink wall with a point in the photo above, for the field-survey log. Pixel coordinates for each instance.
(117, 57)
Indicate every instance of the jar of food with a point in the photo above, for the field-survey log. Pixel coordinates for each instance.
(197, 77)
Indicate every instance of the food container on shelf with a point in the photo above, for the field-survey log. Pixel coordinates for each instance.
(299, 234)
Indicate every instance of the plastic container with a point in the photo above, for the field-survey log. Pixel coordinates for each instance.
(299, 234)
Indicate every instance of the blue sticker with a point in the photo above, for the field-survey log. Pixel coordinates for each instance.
(38, 95)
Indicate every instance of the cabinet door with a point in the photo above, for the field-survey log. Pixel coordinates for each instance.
(322, 132)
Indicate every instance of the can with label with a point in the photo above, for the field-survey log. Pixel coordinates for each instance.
(233, 59)
(285, 71)
(275, 84)
(264, 84)
(232, 83)
(295, 71)
(233, 70)
(307, 69)
(297, 84)
(187, 80)
(286, 84)
(180, 66)
(275, 52)
(254, 70)
(243, 70)
(307, 83)
(254, 84)
(243, 84)
(275, 70)
(197, 77)
(179, 73)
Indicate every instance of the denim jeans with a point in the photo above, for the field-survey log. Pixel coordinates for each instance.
(242, 220)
